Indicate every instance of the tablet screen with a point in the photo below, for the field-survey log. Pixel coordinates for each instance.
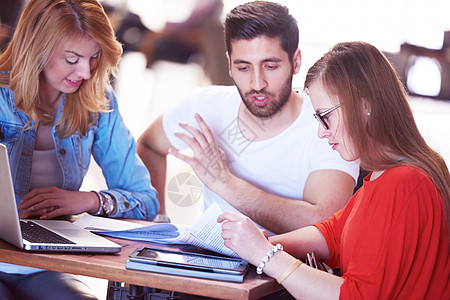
(190, 260)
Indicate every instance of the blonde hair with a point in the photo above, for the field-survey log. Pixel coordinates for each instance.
(362, 78)
(42, 26)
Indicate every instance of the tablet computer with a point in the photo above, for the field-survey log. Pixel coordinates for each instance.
(189, 260)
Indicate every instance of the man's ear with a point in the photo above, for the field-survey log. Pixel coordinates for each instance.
(297, 61)
(229, 64)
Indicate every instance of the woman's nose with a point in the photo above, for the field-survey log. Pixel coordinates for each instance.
(323, 133)
(84, 70)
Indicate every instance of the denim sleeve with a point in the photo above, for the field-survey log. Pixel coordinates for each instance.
(127, 177)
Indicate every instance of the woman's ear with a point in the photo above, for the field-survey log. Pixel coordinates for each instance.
(367, 107)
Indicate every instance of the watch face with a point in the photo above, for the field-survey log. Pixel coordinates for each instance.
(108, 205)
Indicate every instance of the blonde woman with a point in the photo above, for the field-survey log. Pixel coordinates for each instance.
(391, 241)
(57, 110)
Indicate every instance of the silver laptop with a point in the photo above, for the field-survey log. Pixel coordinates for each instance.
(12, 230)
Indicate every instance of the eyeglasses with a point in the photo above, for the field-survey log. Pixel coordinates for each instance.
(322, 119)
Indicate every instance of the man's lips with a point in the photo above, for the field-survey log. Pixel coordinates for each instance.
(260, 100)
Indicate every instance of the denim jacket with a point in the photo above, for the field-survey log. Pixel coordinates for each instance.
(108, 140)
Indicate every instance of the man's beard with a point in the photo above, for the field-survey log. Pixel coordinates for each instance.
(273, 106)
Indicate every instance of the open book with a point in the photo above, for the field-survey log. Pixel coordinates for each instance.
(204, 233)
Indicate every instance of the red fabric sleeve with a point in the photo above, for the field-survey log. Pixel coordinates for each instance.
(395, 242)
(332, 228)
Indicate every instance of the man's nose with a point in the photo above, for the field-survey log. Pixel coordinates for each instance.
(258, 81)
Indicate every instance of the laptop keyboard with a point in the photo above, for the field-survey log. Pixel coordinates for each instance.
(35, 233)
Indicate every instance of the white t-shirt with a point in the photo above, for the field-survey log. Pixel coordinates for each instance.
(279, 165)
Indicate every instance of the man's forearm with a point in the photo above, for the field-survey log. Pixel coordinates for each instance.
(277, 214)
(280, 214)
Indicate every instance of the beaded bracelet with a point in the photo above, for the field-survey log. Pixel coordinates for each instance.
(266, 258)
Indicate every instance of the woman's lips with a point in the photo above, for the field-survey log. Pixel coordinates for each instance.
(74, 83)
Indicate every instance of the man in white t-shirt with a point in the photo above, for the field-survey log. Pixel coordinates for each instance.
(254, 145)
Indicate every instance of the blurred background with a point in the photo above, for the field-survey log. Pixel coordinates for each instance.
(173, 46)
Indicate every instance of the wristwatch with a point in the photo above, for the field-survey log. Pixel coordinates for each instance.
(108, 203)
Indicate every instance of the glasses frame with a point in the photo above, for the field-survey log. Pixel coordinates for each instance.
(319, 117)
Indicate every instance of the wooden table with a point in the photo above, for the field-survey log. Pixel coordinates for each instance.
(112, 267)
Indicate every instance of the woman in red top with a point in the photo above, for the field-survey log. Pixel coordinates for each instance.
(391, 241)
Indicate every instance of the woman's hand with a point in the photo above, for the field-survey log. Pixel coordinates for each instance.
(242, 236)
(52, 202)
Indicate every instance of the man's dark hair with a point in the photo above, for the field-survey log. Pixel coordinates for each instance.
(262, 18)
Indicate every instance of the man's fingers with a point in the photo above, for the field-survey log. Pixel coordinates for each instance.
(187, 159)
(205, 129)
(190, 141)
(197, 135)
